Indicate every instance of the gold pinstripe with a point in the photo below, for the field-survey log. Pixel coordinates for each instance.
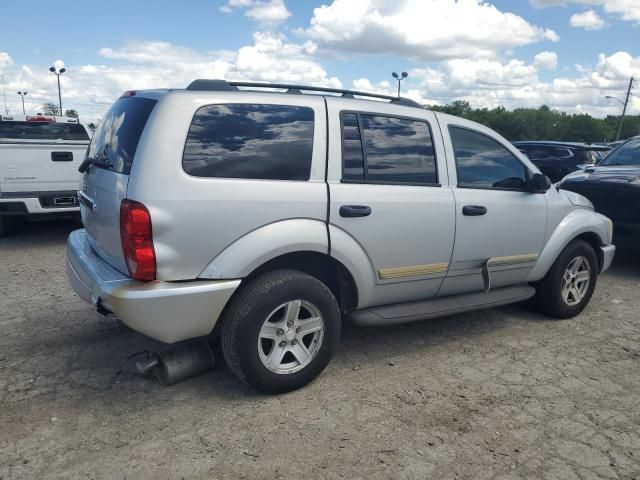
(412, 271)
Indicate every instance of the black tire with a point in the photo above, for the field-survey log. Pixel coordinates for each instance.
(549, 299)
(248, 310)
(5, 226)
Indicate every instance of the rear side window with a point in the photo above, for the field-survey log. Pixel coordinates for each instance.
(482, 162)
(18, 131)
(383, 149)
(272, 142)
(116, 138)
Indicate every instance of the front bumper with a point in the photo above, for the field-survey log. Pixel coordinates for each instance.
(608, 252)
(165, 311)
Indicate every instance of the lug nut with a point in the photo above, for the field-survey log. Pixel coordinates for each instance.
(283, 344)
(293, 342)
(298, 330)
(280, 332)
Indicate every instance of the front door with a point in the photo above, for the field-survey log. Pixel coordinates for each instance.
(388, 200)
(500, 225)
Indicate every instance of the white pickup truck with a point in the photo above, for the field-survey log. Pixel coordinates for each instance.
(39, 158)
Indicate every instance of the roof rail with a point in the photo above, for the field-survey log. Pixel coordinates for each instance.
(224, 86)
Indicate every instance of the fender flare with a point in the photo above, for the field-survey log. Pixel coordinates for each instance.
(576, 223)
(265, 243)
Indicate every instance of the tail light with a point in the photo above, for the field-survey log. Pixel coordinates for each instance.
(137, 240)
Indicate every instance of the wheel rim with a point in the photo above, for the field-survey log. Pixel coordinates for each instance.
(576, 280)
(291, 336)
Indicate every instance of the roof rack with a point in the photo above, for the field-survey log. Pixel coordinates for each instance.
(224, 86)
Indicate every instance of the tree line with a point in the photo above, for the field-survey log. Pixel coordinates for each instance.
(545, 124)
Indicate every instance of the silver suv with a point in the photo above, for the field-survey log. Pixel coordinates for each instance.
(268, 217)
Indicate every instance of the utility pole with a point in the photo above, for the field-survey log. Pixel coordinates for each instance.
(624, 109)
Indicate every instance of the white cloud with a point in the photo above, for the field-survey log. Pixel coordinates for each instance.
(589, 20)
(515, 84)
(262, 11)
(91, 88)
(628, 10)
(546, 60)
(5, 61)
(427, 30)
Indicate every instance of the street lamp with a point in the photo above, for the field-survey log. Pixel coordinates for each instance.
(22, 95)
(624, 106)
(399, 78)
(616, 99)
(58, 73)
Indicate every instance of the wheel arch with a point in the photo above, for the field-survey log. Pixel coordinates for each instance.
(582, 224)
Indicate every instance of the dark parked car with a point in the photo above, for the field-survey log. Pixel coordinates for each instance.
(558, 159)
(613, 186)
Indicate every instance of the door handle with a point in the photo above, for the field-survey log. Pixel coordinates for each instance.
(62, 156)
(355, 211)
(474, 210)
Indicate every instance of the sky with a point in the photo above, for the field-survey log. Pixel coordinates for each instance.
(567, 54)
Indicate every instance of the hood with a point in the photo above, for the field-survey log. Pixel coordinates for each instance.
(614, 174)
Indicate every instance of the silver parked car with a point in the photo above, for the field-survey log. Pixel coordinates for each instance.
(268, 217)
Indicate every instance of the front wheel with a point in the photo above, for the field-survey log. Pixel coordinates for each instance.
(280, 331)
(568, 286)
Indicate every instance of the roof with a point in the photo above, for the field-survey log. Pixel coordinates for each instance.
(225, 86)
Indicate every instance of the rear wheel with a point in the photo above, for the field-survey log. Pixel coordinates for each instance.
(280, 331)
(568, 286)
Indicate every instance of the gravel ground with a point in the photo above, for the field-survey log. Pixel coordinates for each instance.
(501, 393)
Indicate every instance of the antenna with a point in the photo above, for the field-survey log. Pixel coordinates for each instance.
(4, 93)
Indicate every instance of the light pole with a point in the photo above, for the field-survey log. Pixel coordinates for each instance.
(58, 73)
(624, 107)
(22, 95)
(399, 78)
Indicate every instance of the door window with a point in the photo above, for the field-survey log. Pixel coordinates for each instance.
(482, 162)
(384, 149)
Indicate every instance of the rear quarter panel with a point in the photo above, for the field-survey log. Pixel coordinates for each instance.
(195, 218)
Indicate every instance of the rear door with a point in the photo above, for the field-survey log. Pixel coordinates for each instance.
(103, 188)
(41, 154)
(500, 225)
(386, 194)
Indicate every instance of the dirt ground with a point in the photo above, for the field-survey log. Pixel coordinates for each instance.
(502, 393)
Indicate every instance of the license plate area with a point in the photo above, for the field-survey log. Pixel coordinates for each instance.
(59, 200)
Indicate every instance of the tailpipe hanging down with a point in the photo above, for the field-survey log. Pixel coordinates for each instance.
(179, 363)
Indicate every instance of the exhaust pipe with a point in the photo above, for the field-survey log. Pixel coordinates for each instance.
(182, 362)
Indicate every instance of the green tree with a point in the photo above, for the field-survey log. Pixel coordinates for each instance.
(71, 113)
(50, 108)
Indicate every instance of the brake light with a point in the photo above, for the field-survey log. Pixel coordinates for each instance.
(41, 118)
(136, 236)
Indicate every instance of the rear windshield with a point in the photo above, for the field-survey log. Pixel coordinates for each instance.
(18, 131)
(116, 138)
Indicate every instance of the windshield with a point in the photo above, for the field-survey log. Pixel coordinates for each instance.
(115, 142)
(626, 154)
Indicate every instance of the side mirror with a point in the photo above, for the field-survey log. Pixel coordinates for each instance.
(539, 183)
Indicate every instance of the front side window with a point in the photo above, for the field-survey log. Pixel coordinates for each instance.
(482, 162)
(382, 149)
(273, 142)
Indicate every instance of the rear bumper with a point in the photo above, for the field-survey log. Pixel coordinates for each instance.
(608, 251)
(38, 203)
(165, 311)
